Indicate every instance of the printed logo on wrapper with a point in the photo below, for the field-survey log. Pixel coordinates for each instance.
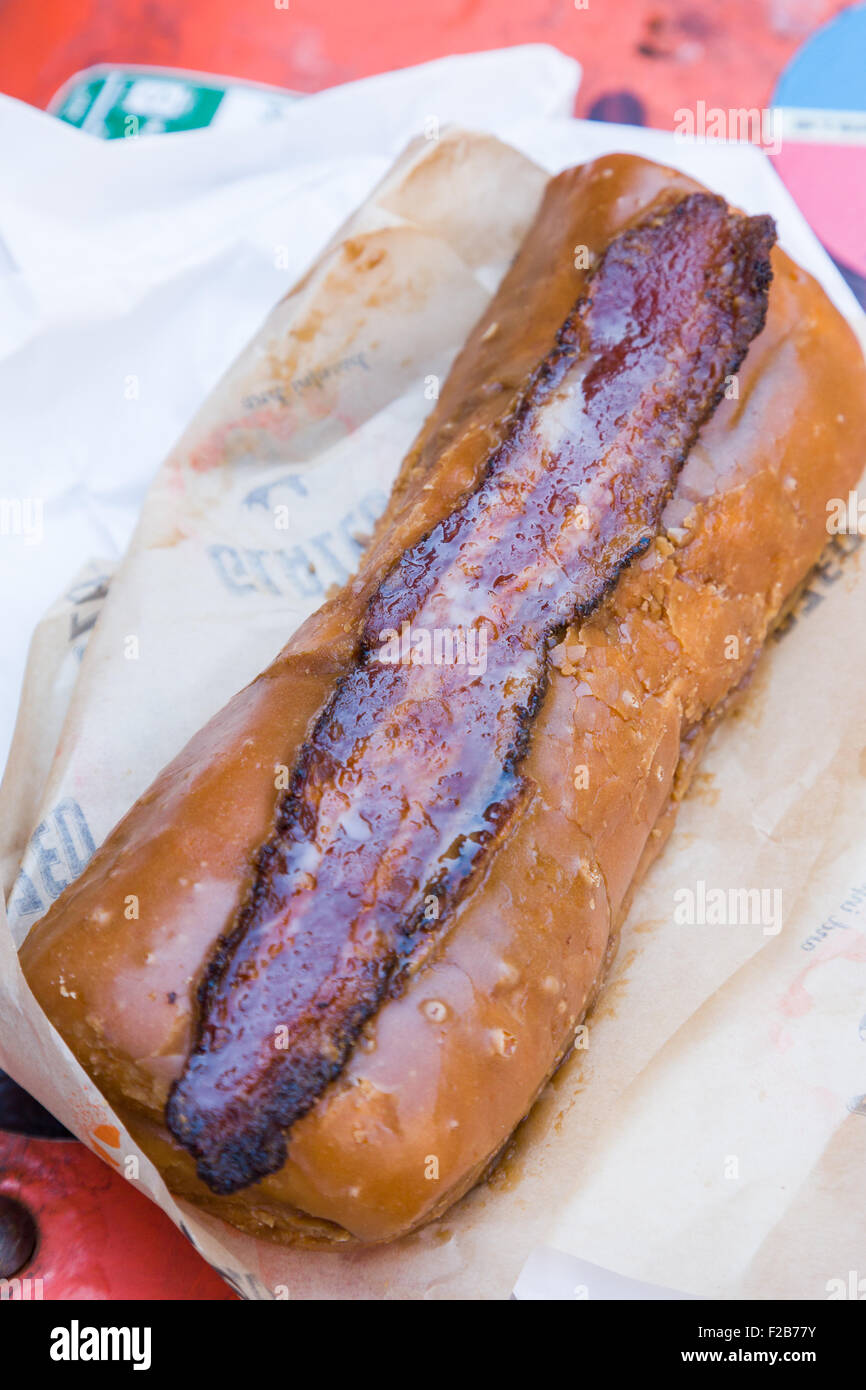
(59, 850)
(245, 1284)
(826, 575)
(305, 570)
(104, 1137)
(850, 913)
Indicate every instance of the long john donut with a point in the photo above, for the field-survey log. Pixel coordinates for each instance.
(450, 1064)
(411, 775)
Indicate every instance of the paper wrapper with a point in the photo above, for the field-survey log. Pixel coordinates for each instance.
(711, 1136)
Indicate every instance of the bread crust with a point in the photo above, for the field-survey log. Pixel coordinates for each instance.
(448, 1069)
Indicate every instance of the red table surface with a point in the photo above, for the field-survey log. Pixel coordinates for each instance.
(669, 54)
(641, 60)
(98, 1237)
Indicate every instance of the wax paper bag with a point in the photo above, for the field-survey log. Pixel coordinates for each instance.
(710, 1136)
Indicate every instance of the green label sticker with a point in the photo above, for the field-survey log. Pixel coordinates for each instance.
(122, 103)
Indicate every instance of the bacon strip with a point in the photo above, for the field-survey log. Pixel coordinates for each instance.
(411, 774)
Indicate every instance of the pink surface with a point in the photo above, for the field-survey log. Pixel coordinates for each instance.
(829, 183)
